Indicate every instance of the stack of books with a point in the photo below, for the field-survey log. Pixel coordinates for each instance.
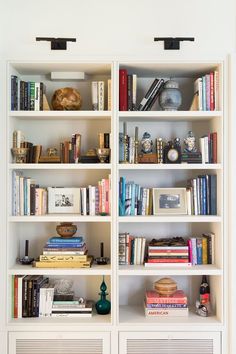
(70, 252)
(26, 95)
(208, 147)
(73, 308)
(131, 249)
(202, 249)
(206, 93)
(32, 296)
(202, 195)
(168, 251)
(165, 306)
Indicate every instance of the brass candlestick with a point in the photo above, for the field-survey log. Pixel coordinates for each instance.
(20, 154)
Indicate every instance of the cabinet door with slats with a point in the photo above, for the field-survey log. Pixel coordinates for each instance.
(170, 343)
(59, 343)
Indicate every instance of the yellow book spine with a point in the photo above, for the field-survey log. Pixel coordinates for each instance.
(204, 251)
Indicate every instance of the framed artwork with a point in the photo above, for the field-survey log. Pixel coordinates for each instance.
(64, 200)
(168, 201)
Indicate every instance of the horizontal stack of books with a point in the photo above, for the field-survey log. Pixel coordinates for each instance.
(131, 249)
(73, 308)
(32, 296)
(206, 92)
(202, 195)
(174, 305)
(168, 251)
(201, 250)
(69, 252)
(26, 96)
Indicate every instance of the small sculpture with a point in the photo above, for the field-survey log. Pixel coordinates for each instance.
(146, 143)
(26, 259)
(170, 98)
(190, 142)
(66, 99)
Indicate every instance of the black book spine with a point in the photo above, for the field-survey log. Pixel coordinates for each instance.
(22, 95)
(147, 95)
(37, 279)
(106, 140)
(41, 97)
(154, 96)
(130, 92)
(24, 296)
(29, 297)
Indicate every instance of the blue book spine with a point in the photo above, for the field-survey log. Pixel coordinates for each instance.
(204, 195)
(66, 240)
(123, 194)
(199, 250)
(64, 245)
(213, 195)
(133, 198)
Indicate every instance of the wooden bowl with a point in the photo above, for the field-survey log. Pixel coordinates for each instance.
(66, 229)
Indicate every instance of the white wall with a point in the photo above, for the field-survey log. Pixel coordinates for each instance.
(108, 29)
(117, 27)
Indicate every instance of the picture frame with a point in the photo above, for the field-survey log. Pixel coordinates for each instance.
(63, 200)
(169, 201)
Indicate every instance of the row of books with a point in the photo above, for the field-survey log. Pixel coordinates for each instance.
(156, 305)
(202, 250)
(134, 199)
(206, 92)
(69, 252)
(30, 199)
(208, 148)
(26, 95)
(131, 249)
(98, 94)
(35, 296)
(202, 195)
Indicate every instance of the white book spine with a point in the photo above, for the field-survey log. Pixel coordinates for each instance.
(202, 149)
(189, 204)
(195, 196)
(131, 149)
(95, 95)
(194, 251)
(109, 95)
(28, 196)
(37, 96)
(206, 149)
(101, 95)
(21, 196)
(134, 88)
(19, 306)
(42, 302)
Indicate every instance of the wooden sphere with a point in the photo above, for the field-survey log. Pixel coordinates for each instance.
(165, 286)
(66, 99)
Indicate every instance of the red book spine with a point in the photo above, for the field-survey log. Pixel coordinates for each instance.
(168, 260)
(171, 300)
(214, 147)
(123, 87)
(15, 296)
(190, 254)
(212, 98)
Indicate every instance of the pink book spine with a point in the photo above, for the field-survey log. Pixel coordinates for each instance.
(190, 254)
(212, 98)
(100, 196)
(208, 92)
(107, 211)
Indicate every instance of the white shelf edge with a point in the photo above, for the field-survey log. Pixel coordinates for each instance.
(29, 270)
(59, 218)
(169, 270)
(59, 166)
(173, 115)
(169, 166)
(170, 218)
(61, 114)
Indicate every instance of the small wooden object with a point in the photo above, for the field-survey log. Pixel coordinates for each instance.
(147, 158)
(165, 286)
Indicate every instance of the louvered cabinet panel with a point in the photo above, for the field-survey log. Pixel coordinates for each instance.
(170, 343)
(59, 343)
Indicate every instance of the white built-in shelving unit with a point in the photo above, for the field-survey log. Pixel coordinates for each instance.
(126, 284)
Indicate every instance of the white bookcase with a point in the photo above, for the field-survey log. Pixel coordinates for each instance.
(126, 284)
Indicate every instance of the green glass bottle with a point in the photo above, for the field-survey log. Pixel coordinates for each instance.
(103, 306)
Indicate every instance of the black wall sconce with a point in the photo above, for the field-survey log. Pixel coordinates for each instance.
(173, 42)
(57, 43)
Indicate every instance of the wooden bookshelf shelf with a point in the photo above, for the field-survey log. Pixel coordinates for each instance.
(61, 115)
(178, 116)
